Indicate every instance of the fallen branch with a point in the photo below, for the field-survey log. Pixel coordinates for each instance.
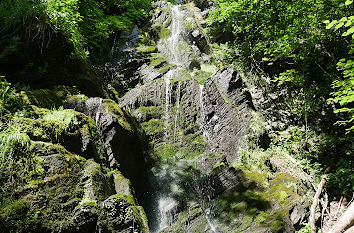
(345, 221)
(312, 219)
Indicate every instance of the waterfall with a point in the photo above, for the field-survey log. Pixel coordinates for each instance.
(166, 203)
(173, 41)
(166, 207)
(201, 87)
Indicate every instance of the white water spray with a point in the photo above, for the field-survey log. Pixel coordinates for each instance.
(166, 207)
(210, 222)
(173, 41)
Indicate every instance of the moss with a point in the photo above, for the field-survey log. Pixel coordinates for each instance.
(122, 184)
(90, 174)
(79, 98)
(48, 98)
(191, 26)
(17, 216)
(37, 111)
(165, 69)
(157, 61)
(191, 220)
(113, 88)
(146, 113)
(201, 76)
(123, 118)
(140, 216)
(54, 179)
(146, 49)
(165, 33)
(154, 127)
(218, 166)
(129, 198)
(259, 204)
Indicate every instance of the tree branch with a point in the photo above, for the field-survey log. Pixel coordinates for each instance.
(345, 221)
(312, 219)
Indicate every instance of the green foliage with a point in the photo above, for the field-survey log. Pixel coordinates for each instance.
(344, 88)
(343, 176)
(68, 117)
(299, 142)
(288, 41)
(12, 142)
(84, 24)
(274, 30)
(344, 94)
(6, 92)
(305, 229)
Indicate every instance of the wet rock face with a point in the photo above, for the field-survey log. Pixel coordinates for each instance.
(221, 109)
(226, 110)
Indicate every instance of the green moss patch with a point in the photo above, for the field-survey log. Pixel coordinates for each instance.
(48, 98)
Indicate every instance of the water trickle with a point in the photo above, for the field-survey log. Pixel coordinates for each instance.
(166, 207)
(177, 111)
(173, 40)
(202, 114)
(168, 78)
(209, 220)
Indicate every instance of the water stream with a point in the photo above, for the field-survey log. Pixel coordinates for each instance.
(173, 41)
(165, 201)
(167, 176)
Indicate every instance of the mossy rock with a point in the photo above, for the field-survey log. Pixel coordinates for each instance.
(17, 216)
(259, 205)
(75, 131)
(119, 213)
(48, 98)
(146, 49)
(144, 114)
(124, 119)
(56, 190)
(47, 189)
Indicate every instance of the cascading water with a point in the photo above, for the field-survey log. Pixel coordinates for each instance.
(165, 201)
(167, 177)
(173, 40)
(213, 228)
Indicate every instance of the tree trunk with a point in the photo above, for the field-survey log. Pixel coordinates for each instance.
(312, 219)
(345, 221)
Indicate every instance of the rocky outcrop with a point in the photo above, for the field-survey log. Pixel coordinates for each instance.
(67, 170)
(226, 111)
(122, 138)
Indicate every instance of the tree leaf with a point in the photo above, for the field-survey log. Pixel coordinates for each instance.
(343, 19)
(348, 23)
(348, 2)
(331, 24)
(341, 24)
